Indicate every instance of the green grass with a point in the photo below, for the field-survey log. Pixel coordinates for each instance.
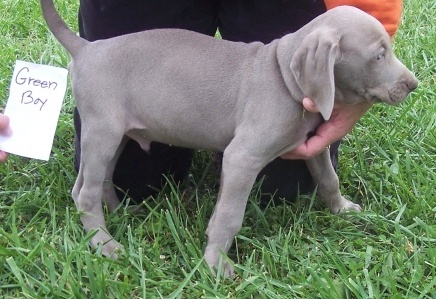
(289, 251)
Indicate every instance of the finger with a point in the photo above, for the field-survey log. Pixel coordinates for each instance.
(5, 129)
(3, 156)
(325, 135)
(312, 147)
(4, 121)
(310, 106)
(298, 153)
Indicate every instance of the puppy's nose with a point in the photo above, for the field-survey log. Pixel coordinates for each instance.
(412, 84)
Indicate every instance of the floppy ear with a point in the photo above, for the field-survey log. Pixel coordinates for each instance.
(312, 65)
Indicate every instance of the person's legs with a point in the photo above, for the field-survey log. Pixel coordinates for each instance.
(259, 20)
(139, 173)
(108, 18)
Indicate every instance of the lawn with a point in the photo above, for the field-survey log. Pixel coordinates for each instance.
(298, 250)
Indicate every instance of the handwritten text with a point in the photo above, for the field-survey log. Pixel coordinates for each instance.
(27, 98)
(22, 79)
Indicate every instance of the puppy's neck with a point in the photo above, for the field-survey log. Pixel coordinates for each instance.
(285, 49)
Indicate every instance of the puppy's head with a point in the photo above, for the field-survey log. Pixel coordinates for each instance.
(349, 58)
(368, 67)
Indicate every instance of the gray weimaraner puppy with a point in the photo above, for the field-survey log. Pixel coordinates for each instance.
(190, 90)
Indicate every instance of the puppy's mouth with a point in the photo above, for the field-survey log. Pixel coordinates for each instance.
(374, 100)
(392, 96)
(377, 95)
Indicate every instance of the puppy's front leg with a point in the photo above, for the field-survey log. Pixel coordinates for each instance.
(327, 181)
(237, 178)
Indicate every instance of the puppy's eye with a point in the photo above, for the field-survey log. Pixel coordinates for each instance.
(380, 55)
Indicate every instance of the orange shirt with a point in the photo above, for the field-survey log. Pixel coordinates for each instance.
(388, 12)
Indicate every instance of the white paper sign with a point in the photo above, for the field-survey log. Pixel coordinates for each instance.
(33, 107)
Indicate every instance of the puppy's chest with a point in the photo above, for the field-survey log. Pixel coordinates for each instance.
(307, 125)
(310, 122)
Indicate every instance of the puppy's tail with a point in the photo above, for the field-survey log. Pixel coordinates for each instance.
(71, 42)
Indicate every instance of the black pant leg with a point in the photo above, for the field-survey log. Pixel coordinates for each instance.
(100, 19)
(260, 20)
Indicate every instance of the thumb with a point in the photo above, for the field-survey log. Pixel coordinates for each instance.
(309, 105)
(4, 121)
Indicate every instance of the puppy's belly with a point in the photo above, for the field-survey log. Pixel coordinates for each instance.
(216, 141)
(216, 136)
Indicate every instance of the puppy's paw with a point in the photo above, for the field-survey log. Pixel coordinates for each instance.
(217, 263)
(344, 205)
(111, 249)
(350, 206)
(222, 268)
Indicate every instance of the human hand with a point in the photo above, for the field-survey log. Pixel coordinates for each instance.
(4, 130)
(342, 120)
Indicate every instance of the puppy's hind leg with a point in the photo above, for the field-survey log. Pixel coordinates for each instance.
(109, 194)
(98, 150)
(78, 184)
